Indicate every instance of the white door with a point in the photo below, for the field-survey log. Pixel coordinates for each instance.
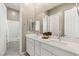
(13, 27)
(3, 29)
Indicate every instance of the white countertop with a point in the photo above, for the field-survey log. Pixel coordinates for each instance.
(65, 45)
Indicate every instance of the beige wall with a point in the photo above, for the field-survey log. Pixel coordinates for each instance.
(24, 31)
(12, 14)
(61, 8)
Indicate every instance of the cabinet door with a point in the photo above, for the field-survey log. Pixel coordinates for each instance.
(45, 52)
(56, 51)
(30, 46)
(27, 45)
(37, 48)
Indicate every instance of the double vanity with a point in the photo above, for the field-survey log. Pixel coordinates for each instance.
(36, 46)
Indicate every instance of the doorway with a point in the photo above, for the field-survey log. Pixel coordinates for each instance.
(13, 18)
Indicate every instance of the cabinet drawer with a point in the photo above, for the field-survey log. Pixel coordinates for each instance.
(56, 51)
(30, 46)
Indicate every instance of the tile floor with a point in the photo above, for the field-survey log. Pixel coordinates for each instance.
(12, 49)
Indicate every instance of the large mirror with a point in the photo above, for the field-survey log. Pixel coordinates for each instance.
(44, 22)
(71, 23)
(40, 24)
(33, 26)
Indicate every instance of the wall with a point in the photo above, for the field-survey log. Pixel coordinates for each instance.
(24, 31)
(3, 28)
(12, 14)
(61, 8)
(29, 10)
(24, 25)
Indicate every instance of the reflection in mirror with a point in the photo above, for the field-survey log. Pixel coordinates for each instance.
(71, 20)
(54, 24)
(45, 23)
(37, 26)
(31, 25)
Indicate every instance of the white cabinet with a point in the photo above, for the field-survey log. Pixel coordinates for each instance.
(27, 45)
(56, 51)
(30, 46)
(38, 48)
(33, 47)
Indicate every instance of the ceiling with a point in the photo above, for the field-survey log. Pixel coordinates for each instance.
(30, 9)
(15, 6)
